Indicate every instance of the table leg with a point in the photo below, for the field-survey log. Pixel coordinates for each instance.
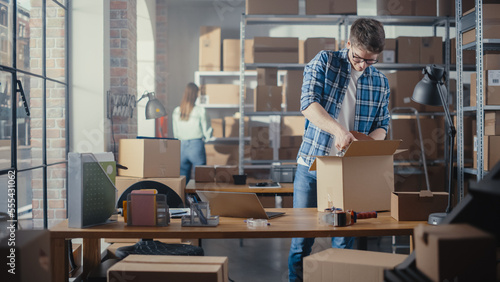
(91, 254)
(59, 259)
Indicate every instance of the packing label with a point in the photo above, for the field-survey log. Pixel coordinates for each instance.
(493, 77)
(389, 56)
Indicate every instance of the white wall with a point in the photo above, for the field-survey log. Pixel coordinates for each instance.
(146, 19)
(89, 72)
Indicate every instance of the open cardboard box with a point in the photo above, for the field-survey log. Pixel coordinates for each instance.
(361, 180)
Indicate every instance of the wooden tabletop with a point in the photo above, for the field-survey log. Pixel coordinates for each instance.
(295, 223)
(192, 186)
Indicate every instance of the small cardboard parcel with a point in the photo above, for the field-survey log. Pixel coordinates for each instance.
(360, 180)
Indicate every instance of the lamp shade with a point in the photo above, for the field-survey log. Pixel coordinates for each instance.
(154, 108)
(426, 91)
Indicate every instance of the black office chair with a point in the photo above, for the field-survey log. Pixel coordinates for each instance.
(148, 246)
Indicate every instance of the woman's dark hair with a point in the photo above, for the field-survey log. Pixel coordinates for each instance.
(187, 103)
(368, 34)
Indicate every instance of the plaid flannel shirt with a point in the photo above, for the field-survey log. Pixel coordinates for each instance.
(326, 79)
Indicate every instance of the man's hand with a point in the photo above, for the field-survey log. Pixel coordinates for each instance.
(343, 140)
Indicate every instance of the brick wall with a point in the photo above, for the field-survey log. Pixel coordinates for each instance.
(123, 48)
(161, 58)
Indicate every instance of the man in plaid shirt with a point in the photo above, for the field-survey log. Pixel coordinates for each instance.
(341, 92)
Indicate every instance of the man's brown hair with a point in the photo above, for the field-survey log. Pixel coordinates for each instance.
(368, 34)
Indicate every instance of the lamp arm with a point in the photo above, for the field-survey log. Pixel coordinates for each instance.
(444, 102)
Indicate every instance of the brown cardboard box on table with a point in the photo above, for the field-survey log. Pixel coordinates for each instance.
(406, 7)
(408, 206)
(276, 50)
(331, 7)
(312, 46)
(361, 180)
(293, 89)
(390, 51)
(178, 184)
(349, 265)
(221, 94)
(452, 251)
(224, 173)
(272, 7)
(267, 76)
(204, 173)
(148, 158)
(492, 123)
(31, 259)
(268, 98)
(210, 48)
(170, 268)
(231, 54)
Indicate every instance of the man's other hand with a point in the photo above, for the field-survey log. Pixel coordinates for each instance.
(343, 140)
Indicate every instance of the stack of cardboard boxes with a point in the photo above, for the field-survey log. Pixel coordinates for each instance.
(491, 96)
(291, 132)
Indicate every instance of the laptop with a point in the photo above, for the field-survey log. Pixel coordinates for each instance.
(236, 204)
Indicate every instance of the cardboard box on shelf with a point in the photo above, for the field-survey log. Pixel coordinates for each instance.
(491, 24)
(409, 49)
(431, 50)
(491, 151)
(302, 52)
(249, 51)
(224, 173)
(259, 137)
(232, 126)
(272, 7)
(261, 153)
(469, 56)
(349, 265)
(292, 125)
(402, 84)
(288, 153)
(150, 157)
(389, 53)
(455, 251)
(231, 55)
(290, 141)
(293, 90)
(171, 268)
(276, 50)
(210, 48)
(178, 184)
(31, 260)
(204, 173)
(446, 8)
(217, 127)
(491, 90)
(312, 46)
(331, 7)
(226, 94)
(268, 98)
(406, 8)
(267, 76)
(492, 123)
(339, 180)
(224, 154)
(412, 206)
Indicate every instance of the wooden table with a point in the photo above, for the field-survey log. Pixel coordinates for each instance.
(295, 223)
(192, 186)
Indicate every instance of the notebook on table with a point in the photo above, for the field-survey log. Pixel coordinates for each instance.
(236, 204)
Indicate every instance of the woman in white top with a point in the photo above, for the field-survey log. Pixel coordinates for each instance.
(192, 126)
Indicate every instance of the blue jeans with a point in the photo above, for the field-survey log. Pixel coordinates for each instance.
(192, 154)
(304, 196)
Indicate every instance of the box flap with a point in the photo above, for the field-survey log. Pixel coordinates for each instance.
(313, 165)
(372, 148)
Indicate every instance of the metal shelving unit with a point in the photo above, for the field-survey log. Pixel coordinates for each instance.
(466, 23)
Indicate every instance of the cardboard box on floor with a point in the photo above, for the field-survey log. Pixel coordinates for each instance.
(452, 251)
(331, 7)
(146, 158)
(31, 259)
(361, 180)
(210, 48)
(178, 184)
(170, 268)
(411, 206)
(349, 265)
(272, 7)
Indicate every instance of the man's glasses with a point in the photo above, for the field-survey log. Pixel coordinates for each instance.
(359, 60)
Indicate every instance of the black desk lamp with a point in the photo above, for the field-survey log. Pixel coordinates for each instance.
(154, 108)
(431, 91)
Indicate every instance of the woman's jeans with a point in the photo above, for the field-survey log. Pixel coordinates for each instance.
(192, 154)
(304, 196)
